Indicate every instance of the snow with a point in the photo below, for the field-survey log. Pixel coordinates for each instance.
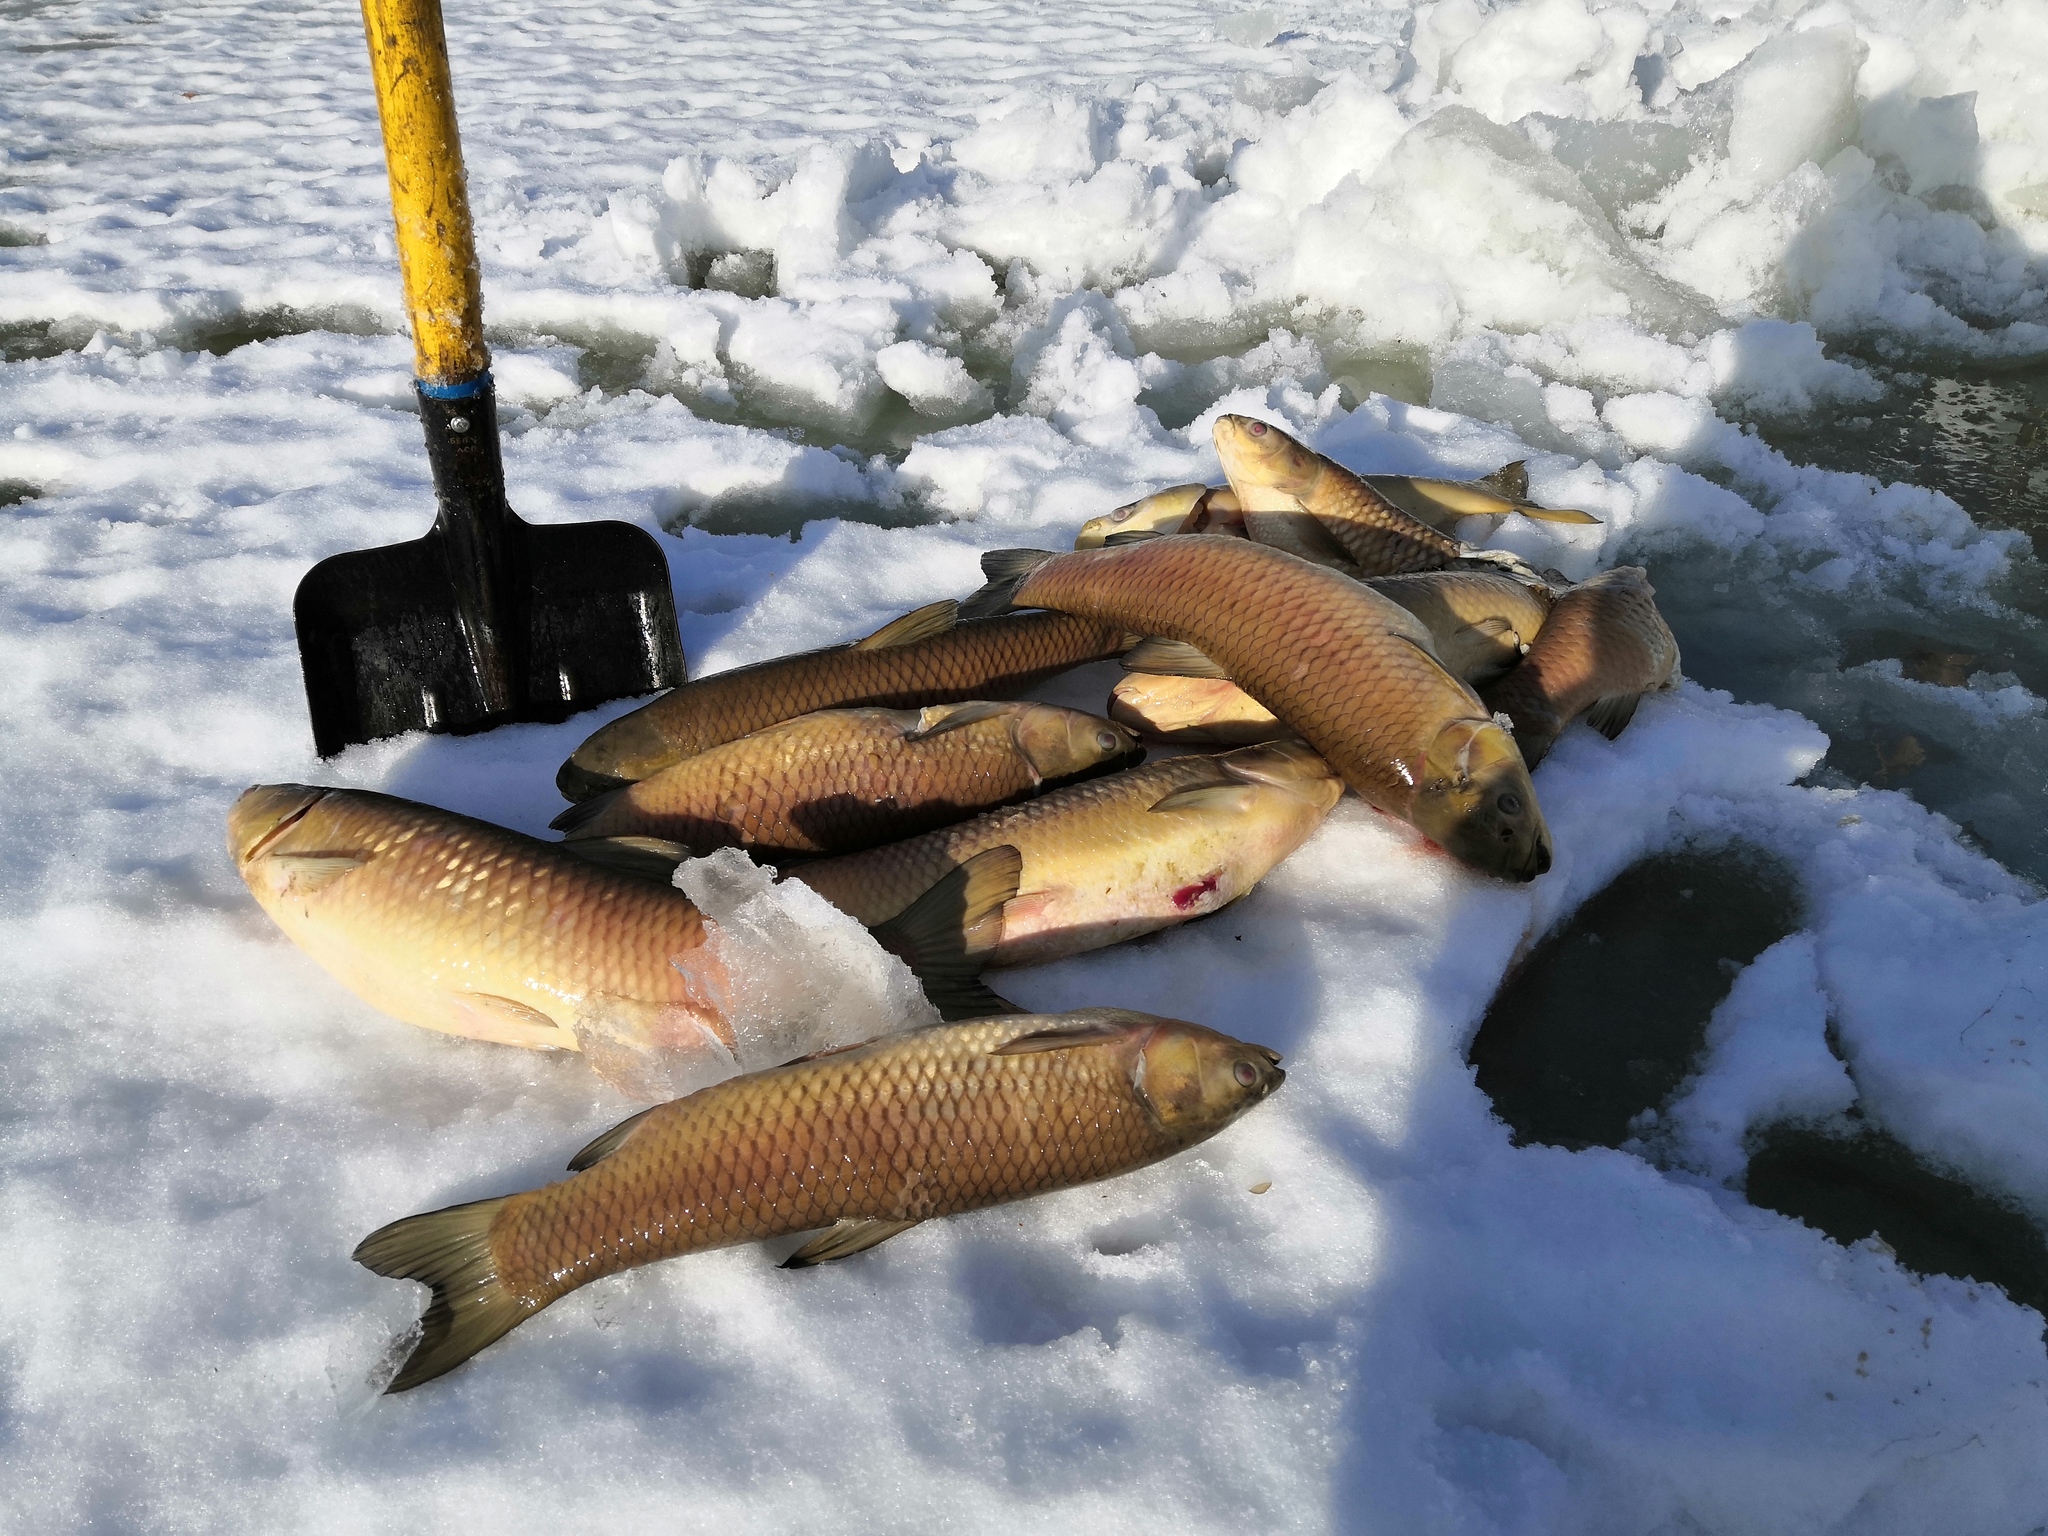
(835, 298)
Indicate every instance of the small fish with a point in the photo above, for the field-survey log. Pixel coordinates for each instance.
(459, 926)
(1444, 503)
(925, 657)
(1480, 622)
(1177, 509)
(1603, 647)
(1354, 674)
(865, 1142)
(1297, 500)
(838, 780)
(1112, 858)
(1208, 711)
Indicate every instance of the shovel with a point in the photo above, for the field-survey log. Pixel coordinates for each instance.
(487, 619)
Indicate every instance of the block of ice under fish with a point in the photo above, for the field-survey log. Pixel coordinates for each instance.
(865, 1142)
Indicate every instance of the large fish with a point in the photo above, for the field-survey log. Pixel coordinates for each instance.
(925, 657)
(839, 780)
(1604, 646)
(867, 1142)
(460, 926)
(1112, 858)
(1352, 672)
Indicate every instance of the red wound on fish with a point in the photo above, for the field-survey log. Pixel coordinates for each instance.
(1188, 895)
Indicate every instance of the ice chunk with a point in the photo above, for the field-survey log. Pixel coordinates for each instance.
(798, 974)
(934, 382)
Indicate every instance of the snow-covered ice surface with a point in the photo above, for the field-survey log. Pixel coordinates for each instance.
(838, 296)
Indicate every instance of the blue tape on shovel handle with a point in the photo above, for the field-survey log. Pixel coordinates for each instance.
(468, 389)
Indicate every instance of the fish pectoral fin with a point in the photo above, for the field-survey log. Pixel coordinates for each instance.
(1131, 536)
(1510, 480)
(843, 1239)
(1471, 556)
(1492, 628)
(947, 934)
(1171, 658)
(1065, 1038)
(649, 858)
(609, 1142)
(1220, 799)
(918, 624)
(1610, 716)
(937, 719)
(505, 1021)
(1530, 510)
(306, 873)
(650, 1050)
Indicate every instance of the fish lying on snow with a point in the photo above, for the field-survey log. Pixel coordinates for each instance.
(459, 926)
(1352, 672)
(1604, 646)
(1444, 503)
(925, 657)
(1112, 858)
(838, 780)
(867, 1141)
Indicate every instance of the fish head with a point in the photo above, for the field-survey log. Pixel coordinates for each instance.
(265, 813)
(1161, 512)
(1269, 471)
(1476, 802)
(1196, 1080)
(1061, 743)
(1290, 766)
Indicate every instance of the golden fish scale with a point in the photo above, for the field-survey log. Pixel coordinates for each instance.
(920, 1125)
(1469, 596)
(973, 660)
(1379, 536)
(820, 783)
(1347, 668)
(1605, 636)
(492, 909)
(1102, 821)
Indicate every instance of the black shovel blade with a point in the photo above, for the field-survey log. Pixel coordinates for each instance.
(572, 616)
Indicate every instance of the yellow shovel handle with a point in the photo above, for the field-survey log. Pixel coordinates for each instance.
(436, 250)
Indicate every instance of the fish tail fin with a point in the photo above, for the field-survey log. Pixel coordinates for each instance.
(1510, 480)
(1003, 572)
(948, 933)
(449, 1250)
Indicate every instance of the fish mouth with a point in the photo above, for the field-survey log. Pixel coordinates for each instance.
(578, 783)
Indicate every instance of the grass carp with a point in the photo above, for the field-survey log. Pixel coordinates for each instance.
(925, 657)
(838, 780)
(866, 1142)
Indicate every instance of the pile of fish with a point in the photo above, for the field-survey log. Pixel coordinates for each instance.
(1330, 630)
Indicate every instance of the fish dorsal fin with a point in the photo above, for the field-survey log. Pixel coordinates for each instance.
(843, 1239)
(937, 719)
(1171, 658)
(1611, 715)
(1065, 1038)
(307, 873)
(609, 1142)
(1510, 480)
(918, 624)
(1221, 799)
(947, 934)
(647, 858)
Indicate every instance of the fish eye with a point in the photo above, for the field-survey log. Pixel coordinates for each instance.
(1257, 429)
(1105, 741)
(1510, 803)
(1245, 1073)
(1121, 513)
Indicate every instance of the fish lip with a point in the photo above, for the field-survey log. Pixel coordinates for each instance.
(1273, 1057)
(578, 783)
